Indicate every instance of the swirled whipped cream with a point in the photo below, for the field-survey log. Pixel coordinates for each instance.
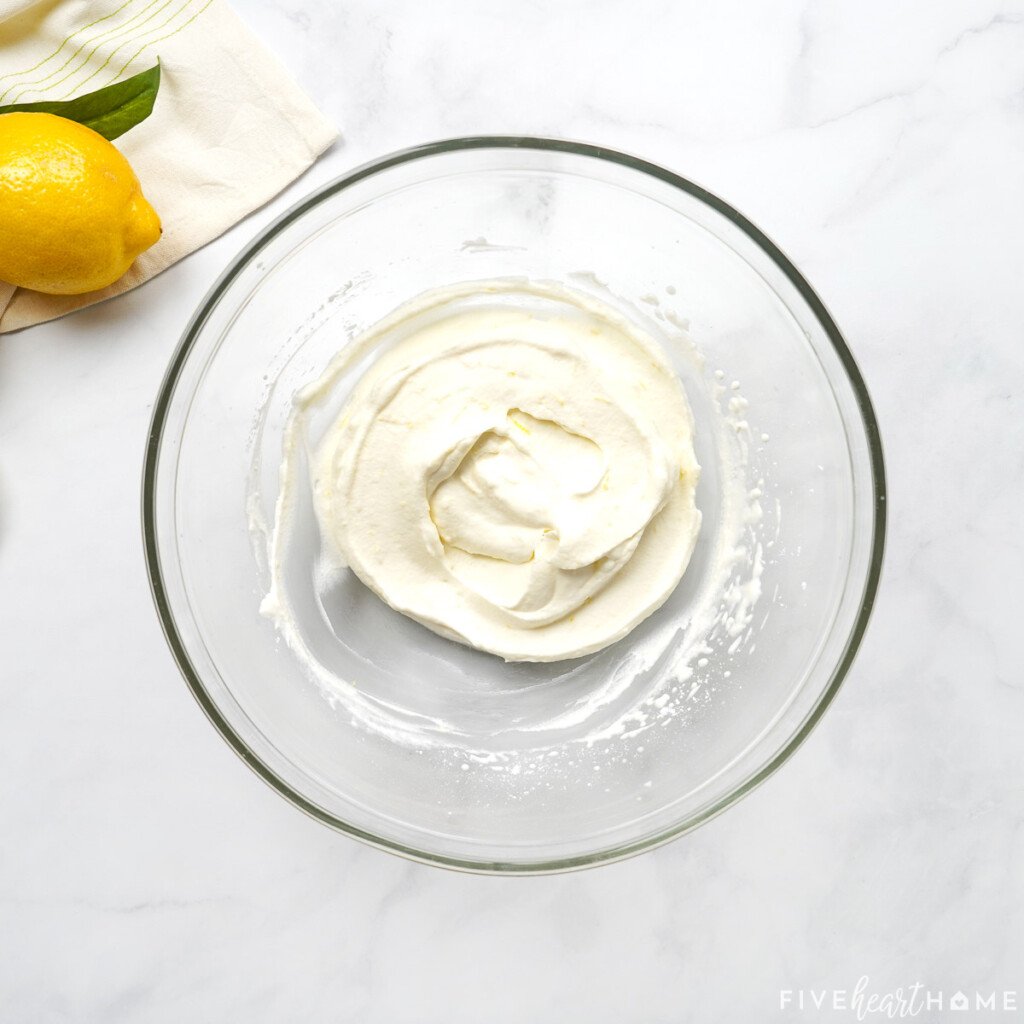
(515, 469)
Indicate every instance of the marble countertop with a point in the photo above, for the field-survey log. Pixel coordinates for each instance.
(147, 875)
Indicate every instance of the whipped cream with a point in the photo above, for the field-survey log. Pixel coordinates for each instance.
(514, 469)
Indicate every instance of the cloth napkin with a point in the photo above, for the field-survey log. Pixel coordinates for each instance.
(229, 131)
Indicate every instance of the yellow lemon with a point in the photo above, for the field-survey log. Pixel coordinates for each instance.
(72, 215)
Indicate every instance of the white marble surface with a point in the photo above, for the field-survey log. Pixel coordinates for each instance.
(147, 875)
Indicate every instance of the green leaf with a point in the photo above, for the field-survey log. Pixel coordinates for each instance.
(111, 111)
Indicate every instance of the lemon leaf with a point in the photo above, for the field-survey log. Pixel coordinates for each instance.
(111, 111)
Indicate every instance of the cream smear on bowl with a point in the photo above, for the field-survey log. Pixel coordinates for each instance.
(511, 464)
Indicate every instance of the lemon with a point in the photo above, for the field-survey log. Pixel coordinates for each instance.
(72, 214)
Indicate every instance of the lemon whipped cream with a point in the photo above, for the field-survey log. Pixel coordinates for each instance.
(514, 469)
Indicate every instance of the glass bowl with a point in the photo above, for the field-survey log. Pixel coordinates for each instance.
(444, 754)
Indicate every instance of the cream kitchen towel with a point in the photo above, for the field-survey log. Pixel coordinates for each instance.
(230, 128)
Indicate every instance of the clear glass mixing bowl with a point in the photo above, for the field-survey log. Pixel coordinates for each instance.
(445, 754)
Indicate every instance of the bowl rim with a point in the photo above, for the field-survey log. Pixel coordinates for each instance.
(159, 419)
